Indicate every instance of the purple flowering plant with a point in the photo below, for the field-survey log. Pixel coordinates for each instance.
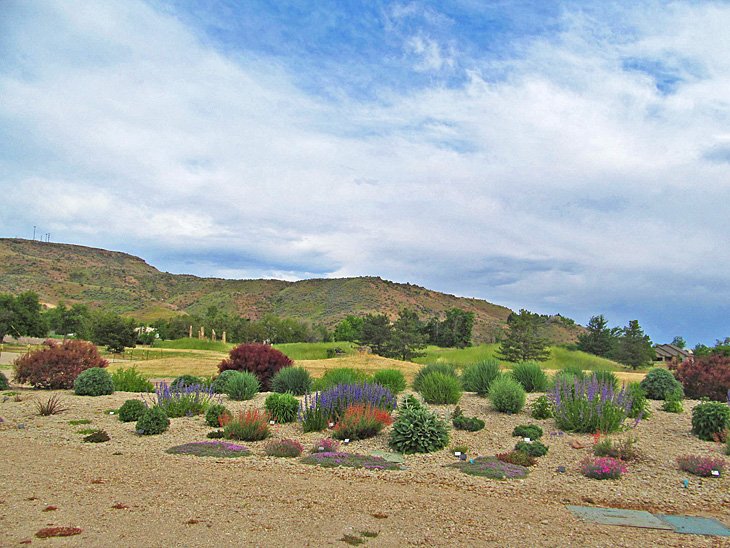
(210, 449)
(333, 459)
(184, 400)
(491, 467)
(590, 405)
(318, 409)
(702, 466)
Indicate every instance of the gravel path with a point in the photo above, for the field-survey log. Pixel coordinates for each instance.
(174, 500)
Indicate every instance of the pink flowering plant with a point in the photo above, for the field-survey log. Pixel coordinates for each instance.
(702, 466)
(326, 445)
(602, 468)
(284, 448)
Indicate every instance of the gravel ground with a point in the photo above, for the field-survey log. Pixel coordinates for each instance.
(189, 501)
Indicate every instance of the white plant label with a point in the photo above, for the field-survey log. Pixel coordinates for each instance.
(715, 472)
(457, 453)
(528, 440)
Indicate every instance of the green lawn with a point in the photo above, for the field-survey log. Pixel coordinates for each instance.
(313, 351)
(194, 344)
(559, 357)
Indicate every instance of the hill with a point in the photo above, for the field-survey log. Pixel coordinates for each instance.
(128, 285)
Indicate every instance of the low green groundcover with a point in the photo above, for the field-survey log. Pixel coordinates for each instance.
(351, 460)
(210, 449)
(491, 467)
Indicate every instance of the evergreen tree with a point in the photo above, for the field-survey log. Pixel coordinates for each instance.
(113, 331)
(523, 341)
(407, 337)
(375, 333)
(634, 348)
(598, 339)
(22, 316)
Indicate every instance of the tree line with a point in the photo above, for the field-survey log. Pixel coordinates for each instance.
(627, 345)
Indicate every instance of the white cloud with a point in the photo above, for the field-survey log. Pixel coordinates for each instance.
(571, 185)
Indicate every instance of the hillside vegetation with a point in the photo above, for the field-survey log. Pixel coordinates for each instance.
(128, 285)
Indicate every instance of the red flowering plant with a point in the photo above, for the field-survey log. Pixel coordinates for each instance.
(602, 468)
(361, 421)
(702, 466)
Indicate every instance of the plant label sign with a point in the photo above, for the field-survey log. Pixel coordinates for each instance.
(715, 472)
(272, 423)
(457, 453)
(347, 440)
(528, 440)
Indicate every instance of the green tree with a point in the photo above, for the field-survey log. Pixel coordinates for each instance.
(598, 339)
(375, 333)
(454, 331)
(634, 348)
(64, 321)
(349, 329)
(113, 331)
(407, 337)
(679, 341)
(22, 316)
(523, 341)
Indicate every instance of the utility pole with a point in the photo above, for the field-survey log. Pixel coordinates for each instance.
(34, 233)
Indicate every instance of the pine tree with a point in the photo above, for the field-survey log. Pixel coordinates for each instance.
(634, 348)
(523, 341)
(598, 339)
(407, 338)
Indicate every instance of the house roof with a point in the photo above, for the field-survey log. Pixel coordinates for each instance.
(670, 351)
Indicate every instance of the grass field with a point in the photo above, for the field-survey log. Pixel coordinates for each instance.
(559, 357)
(194, 344)
(314, 351)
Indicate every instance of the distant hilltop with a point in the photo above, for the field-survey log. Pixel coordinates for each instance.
(128, 285)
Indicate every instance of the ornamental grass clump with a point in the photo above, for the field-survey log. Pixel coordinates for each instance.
(360, 422)
(507, 395)
(589, 406)
(445, 368)
(183, 401)
(531, 376)
(131, 380)
(392, 379)
(478, 377)
(602, 468)
(341, 375)
(284, 448)
(491, 467)
(252, 425)
(220, 382)
(440, 389)
(242, 386)
(702, 466)
(218, 449)
(624, 450)
(295, 380)
(350, 460)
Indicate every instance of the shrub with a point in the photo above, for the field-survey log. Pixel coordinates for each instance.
(438, 388)
(542, 408)
(219, 449)
(532, 448)
(219, 383)
(709, 419)
(470, 424)
(392, 379)
(341, 375)
(491, 467)
(607, 377)
(185, 380)
(284, 448)
(131, 410)
(659, 383)
(701, 466)
(507, 395)
(4, 385)
(519, 458)
(478, 377)
(532, 431)
(639, 404)
(131, 380)
(58, 365)
(602, 468)
(292, 379)
(52, 406)
(184, 401)
(410, 401)
(574, 370)
(253, 425)
(242, 386)
(727, 444)
(589, 406)
(216, 434)
(215, 413)
(445, 368)
(705, 377)
(152, 422)
(360, 422)
(350, 460)
(623, 450)
(94, 381)
(418, 430)
(673, 402)
(325, 445)
(313, 416)
(531, 376)
(282, 407)
(333, 401)
(260, 359)
(97, 436)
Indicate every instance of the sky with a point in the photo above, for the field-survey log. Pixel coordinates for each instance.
(563, 157)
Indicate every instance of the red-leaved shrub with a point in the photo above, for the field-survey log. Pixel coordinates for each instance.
(260, 359)
(58, 365)
(705, 376)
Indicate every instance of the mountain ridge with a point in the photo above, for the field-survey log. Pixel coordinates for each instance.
(128, 285)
